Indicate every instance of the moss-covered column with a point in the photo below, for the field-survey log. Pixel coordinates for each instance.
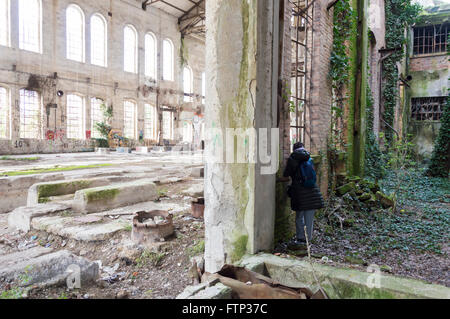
(239, 198)
(358, 86)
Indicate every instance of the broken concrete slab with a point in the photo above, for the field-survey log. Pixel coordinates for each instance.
(21, 217)
(14, 189)
(38, 267)
(342, 283)
(218, 291)
(83, 230)
(198, 172)
(108, 197)
(39, 193)
(195, 190)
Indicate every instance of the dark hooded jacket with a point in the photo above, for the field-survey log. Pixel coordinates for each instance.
(302, 198)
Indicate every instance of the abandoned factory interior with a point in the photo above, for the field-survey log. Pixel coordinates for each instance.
(224, 149)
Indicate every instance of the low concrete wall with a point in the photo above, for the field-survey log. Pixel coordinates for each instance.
(342, 283)
(108, 197)
(14, 189)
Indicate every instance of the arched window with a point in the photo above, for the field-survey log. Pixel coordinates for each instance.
(75, 116)
(167, 60)
(150, 122)
(97, 106)
(187, 84)
(99, 40)
(130, 49)
(4, 112)
(75, 33)
(203, 87)
(150, 56)
(4, 22)
(129, 119)
(30, 114)
(30, 25)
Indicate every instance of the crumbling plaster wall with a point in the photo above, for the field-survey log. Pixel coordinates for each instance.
(430, 78)
(111, 83)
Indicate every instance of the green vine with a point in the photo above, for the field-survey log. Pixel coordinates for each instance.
(399, 14)
(344, 25)
(373, 166)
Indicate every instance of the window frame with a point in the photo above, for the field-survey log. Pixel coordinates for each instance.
(189, 97)
(154, 113)
(424, 113)
(105, 40)
(94, 131)
(134, 120)
(82, 133)
(7, 22)
(154, 57)
(83, 34)
(26, 46)
(172, 61)
(37, 133)
(172, 124)
(419, 49)
(136, 49)
(7, 105)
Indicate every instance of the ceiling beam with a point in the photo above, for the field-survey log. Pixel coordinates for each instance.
(150, 2)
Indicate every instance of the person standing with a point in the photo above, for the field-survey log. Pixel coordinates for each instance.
(304, 193)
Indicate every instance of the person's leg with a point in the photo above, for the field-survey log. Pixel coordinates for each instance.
(309, 221)
(300, 225)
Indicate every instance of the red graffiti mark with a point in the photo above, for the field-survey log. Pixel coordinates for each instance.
(50, 135)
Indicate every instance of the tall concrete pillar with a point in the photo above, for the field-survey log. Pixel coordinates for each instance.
(241, 53)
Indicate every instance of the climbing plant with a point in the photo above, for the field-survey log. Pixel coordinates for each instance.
(440, 160)
(373, 166)
(399, 14)
(344, 29)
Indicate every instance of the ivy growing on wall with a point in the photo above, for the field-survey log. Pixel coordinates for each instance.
(440, 159)
(373, 166)
(399, 14)
(344, 30)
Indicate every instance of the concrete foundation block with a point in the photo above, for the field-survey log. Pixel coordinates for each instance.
(343, 283)
(198, 172)
(39, 192)
(119, 195)
(14, 189)
(195, 191)
(21, 217)
(36, 266)
(78, 229)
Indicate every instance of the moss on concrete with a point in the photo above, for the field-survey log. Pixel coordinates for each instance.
(105, 194)
(54, 169)
(55, 189)
(239, 248)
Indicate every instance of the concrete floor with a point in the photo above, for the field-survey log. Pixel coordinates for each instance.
(88, 235)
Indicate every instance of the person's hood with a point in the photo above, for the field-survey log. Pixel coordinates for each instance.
(300, 154)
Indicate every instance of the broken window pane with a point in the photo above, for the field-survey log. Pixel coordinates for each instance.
(30, 114)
